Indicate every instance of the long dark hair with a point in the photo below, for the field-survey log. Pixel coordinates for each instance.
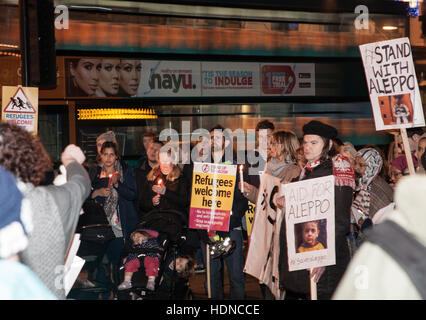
(328, 154)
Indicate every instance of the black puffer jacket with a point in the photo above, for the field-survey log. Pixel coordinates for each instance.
(298, 281)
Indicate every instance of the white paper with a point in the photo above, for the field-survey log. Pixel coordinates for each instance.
(310, 201)
(72, 273)
(392, 84)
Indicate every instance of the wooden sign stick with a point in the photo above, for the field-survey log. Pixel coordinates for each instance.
(313, 287)
(209, 291)
(407, 150)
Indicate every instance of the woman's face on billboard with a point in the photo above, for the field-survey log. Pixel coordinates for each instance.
(109, 77)
(85, 75)
(130, 74)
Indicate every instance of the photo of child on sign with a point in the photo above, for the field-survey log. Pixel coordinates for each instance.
(396, 109)
(310, 223)
(311, 235)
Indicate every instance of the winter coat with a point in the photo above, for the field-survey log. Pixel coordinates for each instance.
(127, 194)
(298, 281)
(175, 198)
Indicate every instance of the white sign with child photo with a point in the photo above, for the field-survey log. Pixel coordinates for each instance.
(310, 219)
(392, 84)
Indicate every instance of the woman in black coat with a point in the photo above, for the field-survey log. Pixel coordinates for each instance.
(322, 160)
(164, 188)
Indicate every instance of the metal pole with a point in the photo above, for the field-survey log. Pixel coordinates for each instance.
(23, 25)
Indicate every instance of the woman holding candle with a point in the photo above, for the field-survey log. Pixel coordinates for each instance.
(165, 187)
(322, 160)
(114, 187)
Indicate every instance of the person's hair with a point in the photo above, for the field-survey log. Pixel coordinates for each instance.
(327, 152)
(217, 127)
(157, 141)
(112, 145)
(423, 160)
(148, 134)
(144, 233)
(265, 124)
(288, 145)
(23, 154)
(348, 148)
(173, 174)
(420, 140)
(412, 131)
(189, 267)
(338, 142)
(315, 221)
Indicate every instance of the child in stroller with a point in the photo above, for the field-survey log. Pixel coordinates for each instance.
(145, 240)
(169, 225)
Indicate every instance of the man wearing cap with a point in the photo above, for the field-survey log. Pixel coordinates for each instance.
(322, 160)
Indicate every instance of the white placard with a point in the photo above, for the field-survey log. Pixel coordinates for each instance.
(310, 223)
(392, 84)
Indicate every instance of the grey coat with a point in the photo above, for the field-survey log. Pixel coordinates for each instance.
(56, 210)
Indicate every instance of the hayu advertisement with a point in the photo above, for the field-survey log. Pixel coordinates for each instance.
(170, 79)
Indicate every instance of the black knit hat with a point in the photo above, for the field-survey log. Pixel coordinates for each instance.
(320, 129)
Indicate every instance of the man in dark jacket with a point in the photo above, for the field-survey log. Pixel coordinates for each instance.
(235, 260)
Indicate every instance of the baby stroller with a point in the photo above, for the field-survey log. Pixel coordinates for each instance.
(95, 234)
(170, 226)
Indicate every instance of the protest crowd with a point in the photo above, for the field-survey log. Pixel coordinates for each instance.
(137, 231)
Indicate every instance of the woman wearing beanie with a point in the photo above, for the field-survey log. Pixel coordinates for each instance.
(322, 160)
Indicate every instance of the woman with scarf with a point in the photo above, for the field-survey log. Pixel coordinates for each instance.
(322, 160)
(282, 161)
(373, 191)
(114, 187)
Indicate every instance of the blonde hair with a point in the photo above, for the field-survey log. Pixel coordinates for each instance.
(287, 144)
(173, 174)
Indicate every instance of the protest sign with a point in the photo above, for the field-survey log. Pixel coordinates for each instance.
(309, 218)
(262, 256)
(392, 84)
(20, 106)
(249, 217)
(212, 196)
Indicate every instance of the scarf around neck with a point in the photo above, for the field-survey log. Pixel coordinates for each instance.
(111, 204)
(274, 167)
(374, 165)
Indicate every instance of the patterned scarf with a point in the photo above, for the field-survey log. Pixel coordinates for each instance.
(111, 204)
(374, 165)
(309, 166)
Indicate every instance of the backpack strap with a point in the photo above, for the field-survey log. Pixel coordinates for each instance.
(404, 249)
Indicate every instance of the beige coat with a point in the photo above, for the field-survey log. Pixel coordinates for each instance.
(286, 175)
